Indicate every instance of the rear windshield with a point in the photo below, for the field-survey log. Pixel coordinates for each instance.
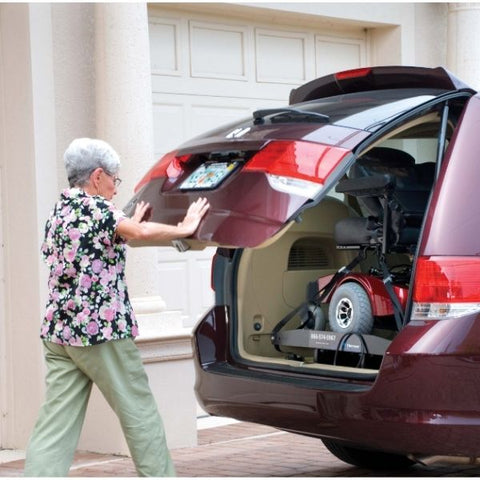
(369, 110)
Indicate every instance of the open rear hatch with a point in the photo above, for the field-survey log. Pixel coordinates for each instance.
(254, 190)
(260, 173)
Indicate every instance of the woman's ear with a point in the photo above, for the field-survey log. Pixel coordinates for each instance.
(95, 177)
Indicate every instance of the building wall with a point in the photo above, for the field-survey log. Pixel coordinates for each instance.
(22, 201)
(69, 70)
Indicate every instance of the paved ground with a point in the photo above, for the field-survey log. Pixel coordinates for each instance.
(244, 450)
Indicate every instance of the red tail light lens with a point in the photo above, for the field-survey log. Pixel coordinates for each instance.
(446, 287)
(350, 74)
(170, 165)
(296, 159)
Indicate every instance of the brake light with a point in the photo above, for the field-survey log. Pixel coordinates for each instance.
(446, 287)
(296, 159)
(170, 165)
(296, 167)
(355, 73)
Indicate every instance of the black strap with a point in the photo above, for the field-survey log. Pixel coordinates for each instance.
(397, 308)
(343, 341)
(319, 297)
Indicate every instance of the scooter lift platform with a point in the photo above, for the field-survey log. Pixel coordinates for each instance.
(325, 340)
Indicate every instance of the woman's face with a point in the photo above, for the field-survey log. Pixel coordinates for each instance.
(107, 185)
(102, 183)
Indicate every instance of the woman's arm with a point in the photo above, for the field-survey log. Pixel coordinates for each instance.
(136, 229)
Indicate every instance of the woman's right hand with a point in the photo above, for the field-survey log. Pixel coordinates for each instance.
(196, 211)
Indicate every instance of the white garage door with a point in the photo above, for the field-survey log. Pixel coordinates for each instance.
(208, 71)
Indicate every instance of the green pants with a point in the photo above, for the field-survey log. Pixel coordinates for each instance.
(117, 370)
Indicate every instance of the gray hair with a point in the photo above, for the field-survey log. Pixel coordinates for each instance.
(84, 155)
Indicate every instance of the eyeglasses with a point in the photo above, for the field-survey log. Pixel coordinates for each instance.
(116, 180)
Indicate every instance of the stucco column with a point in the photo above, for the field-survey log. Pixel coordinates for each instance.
(125, 119)
(463, 45)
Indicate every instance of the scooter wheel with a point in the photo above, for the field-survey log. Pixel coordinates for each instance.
(350, 310)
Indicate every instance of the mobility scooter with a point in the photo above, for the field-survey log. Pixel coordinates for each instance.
(390, 193)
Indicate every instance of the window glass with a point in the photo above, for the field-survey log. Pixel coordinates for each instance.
(369, 110)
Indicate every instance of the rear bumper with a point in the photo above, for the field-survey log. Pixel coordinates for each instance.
(419, 404)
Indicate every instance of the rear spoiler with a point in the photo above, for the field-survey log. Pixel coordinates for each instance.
(376, 78)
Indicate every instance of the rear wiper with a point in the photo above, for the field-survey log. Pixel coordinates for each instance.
(292, 114)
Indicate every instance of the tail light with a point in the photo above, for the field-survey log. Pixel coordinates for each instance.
(446, 287)
(170, 165)
(350, 74)
(296, 166)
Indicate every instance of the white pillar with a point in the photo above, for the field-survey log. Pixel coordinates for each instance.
(124, 119)
(74, 66)
(124, 91)
(463, 51)
(124, 110)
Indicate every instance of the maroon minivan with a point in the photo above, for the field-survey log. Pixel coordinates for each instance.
(347, 271)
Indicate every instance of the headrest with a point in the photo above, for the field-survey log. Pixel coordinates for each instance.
(389, 156)
(384, 160)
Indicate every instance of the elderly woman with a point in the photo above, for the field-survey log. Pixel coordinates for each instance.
(89, 325)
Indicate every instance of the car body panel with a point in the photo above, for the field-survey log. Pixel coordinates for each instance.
(248, 218)
(411, 407)
(244, 135)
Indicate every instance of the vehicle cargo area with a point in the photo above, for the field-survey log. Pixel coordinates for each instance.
(274, 280)
(330, 291)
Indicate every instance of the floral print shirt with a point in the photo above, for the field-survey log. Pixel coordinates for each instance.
(88, 301)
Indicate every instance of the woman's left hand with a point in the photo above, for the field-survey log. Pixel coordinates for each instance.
(143, 212)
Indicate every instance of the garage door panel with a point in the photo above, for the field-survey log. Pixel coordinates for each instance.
(207, 117)
(170, 128)
(174, 284)
(185, 283)
(180, 117)
(204, 296)
(218, 51)
(283, 57)
(166, 36)
(208, 87)
(336, 54)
